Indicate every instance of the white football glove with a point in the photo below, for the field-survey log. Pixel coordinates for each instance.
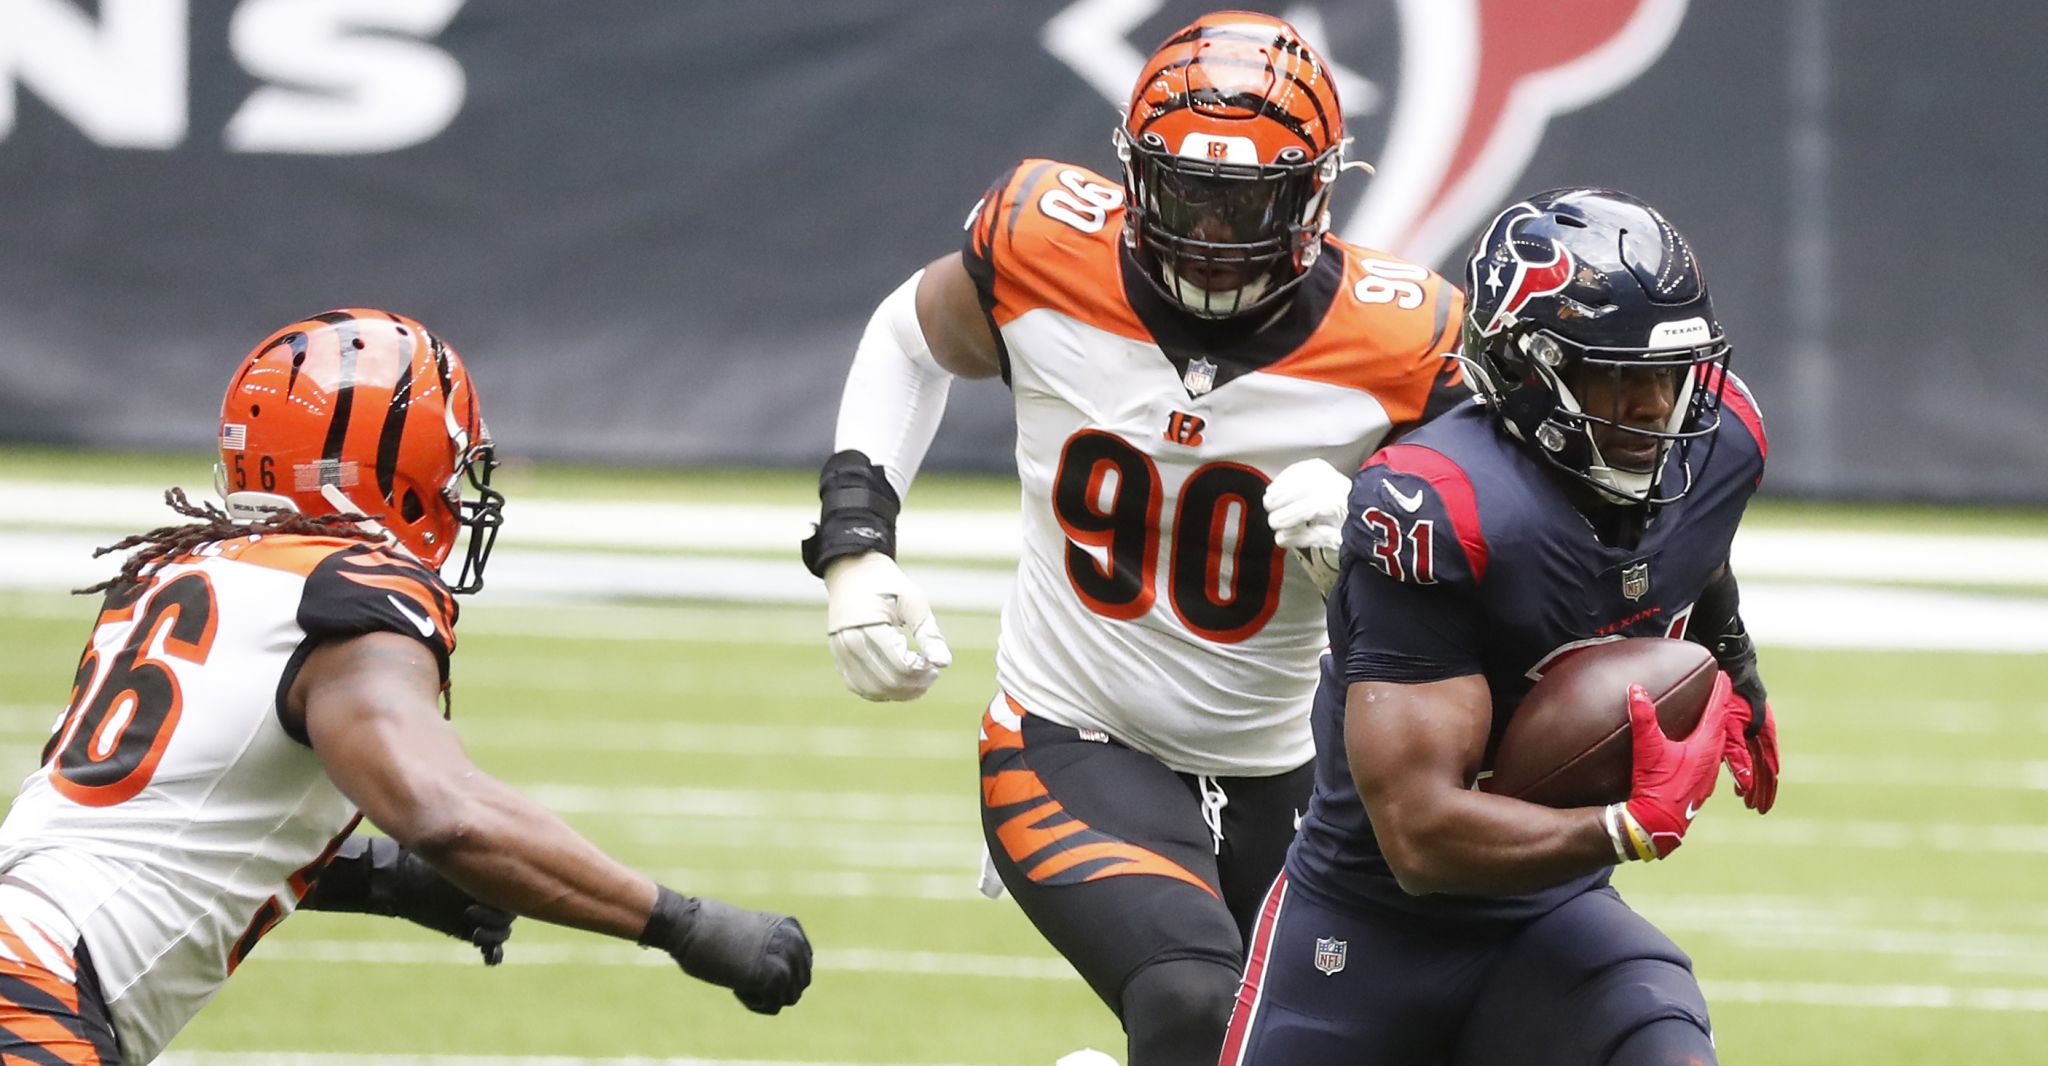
(870, 605)
(1305, 505)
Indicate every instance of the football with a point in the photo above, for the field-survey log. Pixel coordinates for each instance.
(1568, 743)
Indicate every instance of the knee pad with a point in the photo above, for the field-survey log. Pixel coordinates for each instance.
(1175, 1011)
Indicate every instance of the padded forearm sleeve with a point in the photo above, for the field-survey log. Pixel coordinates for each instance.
(857, 512)
(344, 883)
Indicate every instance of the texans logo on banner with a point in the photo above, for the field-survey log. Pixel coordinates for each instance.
(1447, 99)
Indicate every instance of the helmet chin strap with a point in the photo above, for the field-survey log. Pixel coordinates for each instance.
(343, 505)
(1213, 301)
(1623, 486)
(1629, 485)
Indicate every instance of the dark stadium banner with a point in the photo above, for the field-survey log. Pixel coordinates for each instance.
(656, 228)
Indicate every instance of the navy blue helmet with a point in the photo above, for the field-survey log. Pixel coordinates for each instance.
(1586, 292)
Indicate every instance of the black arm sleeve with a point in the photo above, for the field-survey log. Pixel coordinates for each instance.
(1717, 623)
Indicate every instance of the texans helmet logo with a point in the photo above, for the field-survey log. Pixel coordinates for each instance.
(1508, 278)
(1462, 88)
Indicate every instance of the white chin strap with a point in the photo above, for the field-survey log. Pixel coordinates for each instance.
(1214, 302)
(247, 506)
(1631, 486)
(1625, 485)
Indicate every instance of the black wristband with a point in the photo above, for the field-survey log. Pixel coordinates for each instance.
(668, 924)
(857, 513)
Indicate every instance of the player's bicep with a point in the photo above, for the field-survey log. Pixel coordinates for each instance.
(370, 709)
(1409, 743)
(956, 326)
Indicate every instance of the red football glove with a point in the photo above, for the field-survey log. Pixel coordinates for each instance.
(1753, 754)
(1671, 779)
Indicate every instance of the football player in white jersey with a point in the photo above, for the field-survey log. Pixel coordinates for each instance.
(260, 680)
(1197, 366)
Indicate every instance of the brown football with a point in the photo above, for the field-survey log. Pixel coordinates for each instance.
(1568, 743)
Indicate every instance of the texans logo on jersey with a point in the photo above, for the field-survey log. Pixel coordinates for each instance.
(1448, 99)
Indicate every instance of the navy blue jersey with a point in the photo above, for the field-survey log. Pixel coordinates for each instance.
(1463, 554)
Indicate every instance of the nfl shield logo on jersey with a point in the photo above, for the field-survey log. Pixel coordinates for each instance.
(1635, 580)
(1200, 377)
(1330, 955)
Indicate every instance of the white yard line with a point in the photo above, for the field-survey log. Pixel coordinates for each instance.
(956, 885)
(995, 535)
(599, 952)
(960, 965)
(1739, 827)
(680, 527)
(1877, 997)
(896, 807)
(1898, 771)
(1783, 615)
(1939, 912)
(416, 1058)
(820, 741)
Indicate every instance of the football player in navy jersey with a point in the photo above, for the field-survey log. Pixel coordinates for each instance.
(1591, 493)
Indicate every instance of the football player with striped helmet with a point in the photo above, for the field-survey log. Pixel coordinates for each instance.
(1195, 362)
(261, 679)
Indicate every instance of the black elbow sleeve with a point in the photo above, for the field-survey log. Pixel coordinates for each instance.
(1717, 623)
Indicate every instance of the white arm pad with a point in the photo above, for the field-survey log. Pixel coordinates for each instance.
(895, 393)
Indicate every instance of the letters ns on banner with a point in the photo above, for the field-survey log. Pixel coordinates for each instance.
(342, 77)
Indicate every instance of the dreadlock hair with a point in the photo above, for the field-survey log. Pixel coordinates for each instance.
(162, 545)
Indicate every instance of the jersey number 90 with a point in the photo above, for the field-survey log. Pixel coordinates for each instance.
(1224, 571)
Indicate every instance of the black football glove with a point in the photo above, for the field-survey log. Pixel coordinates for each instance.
(764, 958)
(373, 875)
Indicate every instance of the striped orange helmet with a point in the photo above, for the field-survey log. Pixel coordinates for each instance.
(1230, 146)
(360, 411)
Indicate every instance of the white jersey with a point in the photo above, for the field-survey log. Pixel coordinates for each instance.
(1151, 602)
(174, 820)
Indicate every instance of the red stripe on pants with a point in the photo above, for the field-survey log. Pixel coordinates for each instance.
(1253, 986)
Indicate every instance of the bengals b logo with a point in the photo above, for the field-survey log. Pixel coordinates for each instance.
(1184, 428)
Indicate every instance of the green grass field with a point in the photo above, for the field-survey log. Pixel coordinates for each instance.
(1890, 911)
(1893, 909)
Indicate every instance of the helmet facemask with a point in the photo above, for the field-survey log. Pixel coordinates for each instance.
(480, 516)
(1566, 423)
(1225, 234)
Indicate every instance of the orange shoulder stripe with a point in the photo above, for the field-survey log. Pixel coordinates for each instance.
(1053, 239)
(291, 552)
(1388, 333)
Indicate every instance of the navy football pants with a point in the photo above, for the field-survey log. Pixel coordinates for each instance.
(1331, 986)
